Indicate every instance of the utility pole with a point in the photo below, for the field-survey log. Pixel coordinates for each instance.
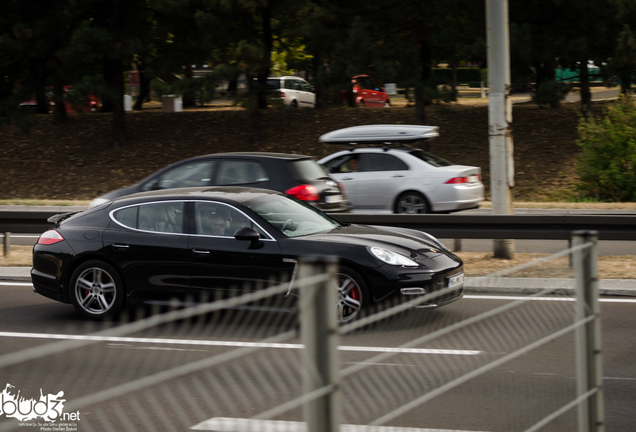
(500, 118)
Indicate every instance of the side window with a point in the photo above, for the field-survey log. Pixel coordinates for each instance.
(381, 162)
(234, 172)
(164, 217)
(184, 175)
(221, 220)
(289, 84)
(127, 217)
(343, 164)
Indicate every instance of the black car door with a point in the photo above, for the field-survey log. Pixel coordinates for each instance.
(220, 265)
(149, 243)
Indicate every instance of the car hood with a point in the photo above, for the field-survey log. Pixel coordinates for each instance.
(411, 243)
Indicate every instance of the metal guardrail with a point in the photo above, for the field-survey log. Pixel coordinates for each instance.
(461, 226)
(541, 227)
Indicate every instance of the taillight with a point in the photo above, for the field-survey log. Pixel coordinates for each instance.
(457, 180)
(343, 189)
(304, 193)
(282, 94)
(50, 237)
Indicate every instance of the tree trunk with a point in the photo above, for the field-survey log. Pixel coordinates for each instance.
(266, 62)
(421, 61)
(60, 116)
(189, 98)
(586, 95)
(119, 115)
(144, 90)
(626, 80)
(320, 89)
(454, 76)
(42, 101)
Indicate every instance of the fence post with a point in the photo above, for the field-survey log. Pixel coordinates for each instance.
(588, 336)
(7, 243)
(319, 335)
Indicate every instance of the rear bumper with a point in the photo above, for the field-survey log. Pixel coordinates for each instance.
(462, 197)
(47, 285)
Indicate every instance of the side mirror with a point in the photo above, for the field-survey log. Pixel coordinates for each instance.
(248, 234)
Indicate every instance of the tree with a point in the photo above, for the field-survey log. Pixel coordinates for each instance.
(624, 58)
(607, 165)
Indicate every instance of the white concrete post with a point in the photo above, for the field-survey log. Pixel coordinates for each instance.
(319, 325)
(588, 337)
(500, 117)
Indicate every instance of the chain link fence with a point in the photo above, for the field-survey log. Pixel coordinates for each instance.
(271, 359)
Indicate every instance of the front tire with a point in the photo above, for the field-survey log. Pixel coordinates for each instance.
(96, 290)
(353, 294)
(411, 203)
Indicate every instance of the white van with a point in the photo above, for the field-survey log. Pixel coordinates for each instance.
(294, 92)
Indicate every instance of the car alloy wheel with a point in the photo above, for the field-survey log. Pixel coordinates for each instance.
(96, 290)
(411, 203)
(352, 295)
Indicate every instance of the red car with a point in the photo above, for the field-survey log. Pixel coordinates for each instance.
(369, 93)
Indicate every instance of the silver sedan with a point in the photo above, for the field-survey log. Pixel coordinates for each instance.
(400, 179)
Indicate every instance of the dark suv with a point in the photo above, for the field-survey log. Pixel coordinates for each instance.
(296, 175)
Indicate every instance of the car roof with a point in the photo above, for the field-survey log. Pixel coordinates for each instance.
(221, 193)
(380, 134)
(263, 155)
(286, 76)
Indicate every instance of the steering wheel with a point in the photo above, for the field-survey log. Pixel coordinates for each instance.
(287, 222)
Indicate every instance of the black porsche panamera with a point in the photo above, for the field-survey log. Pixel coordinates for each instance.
(167, 245)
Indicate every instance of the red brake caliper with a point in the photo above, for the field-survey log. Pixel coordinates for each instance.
(355, 294)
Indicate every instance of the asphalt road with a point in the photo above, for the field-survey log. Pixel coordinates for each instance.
(510, 397)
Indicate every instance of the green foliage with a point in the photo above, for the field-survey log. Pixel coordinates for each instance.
(607, 165)
(551, 93)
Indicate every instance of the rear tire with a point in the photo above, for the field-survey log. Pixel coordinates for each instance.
(293, 105)
(96, 290)
(412, 203)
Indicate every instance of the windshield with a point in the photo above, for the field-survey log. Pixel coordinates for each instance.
(290, 216)
(431, 159)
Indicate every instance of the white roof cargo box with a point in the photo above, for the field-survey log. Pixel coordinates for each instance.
(380, 134)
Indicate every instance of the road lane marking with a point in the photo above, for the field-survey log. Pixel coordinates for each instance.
(234, 344)
(555, 299)
(226, 424)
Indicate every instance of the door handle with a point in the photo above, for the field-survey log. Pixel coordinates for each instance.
(121, 246)
(397, 176)
(200, 252)
(347, 178)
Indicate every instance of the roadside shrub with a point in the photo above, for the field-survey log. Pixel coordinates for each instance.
(551, 93)
(607, 165)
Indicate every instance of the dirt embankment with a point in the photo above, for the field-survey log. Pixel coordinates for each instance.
(78, 161)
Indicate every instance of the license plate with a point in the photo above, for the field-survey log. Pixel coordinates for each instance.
(456, 280)
(330, 199)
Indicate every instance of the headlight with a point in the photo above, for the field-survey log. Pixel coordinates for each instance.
(97, 201)
(392, 258)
